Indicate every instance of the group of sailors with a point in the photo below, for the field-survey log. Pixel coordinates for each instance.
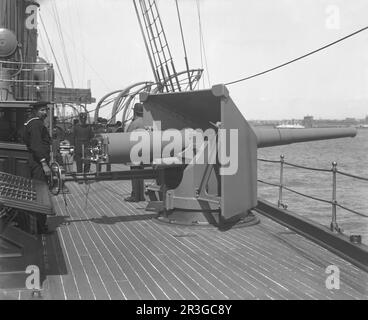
(38, 141)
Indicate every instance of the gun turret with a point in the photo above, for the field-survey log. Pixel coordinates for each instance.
(205, 153)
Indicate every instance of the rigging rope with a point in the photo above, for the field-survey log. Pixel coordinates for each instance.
(185, 50)
(299, 58)
(201, 46)
(59, 29)
(74, 49)
(77, 11)
(107, 86)
(52, 51)
(43, 46)
(181, 28)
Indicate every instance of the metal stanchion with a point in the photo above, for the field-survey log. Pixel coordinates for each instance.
(282, 160)
(334, 226)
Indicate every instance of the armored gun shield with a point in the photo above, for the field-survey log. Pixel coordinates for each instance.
(219, 184)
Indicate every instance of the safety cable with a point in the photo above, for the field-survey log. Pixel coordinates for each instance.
(308, 196)
(183, 41)
(63, 47)
(202, 47)
(43, 47)
(299, 58)
(52, 51)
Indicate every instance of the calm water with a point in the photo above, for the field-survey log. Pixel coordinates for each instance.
(351, 155)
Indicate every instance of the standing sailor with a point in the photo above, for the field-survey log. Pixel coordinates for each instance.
(38, 141)
(137, 193)
(81, 138)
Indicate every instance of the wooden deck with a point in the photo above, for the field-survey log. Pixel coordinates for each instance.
(105, 248)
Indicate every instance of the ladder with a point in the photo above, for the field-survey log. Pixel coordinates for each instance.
(157, 47)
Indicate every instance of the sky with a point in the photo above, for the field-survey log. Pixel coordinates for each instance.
(240, 38)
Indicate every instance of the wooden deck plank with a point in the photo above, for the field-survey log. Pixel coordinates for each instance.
(137, 283)
(214, 275)
(174, 273)
(295, 278)
(211, 288)
(68, 280)
(139, 265)
(180, 255)
(106, 266)
(237, 276)
(283, 251)
(288, 251)
(136, 258)
(100, 274)
(86, 277)
(101, 263)
(174, 288)
(133, 234)
(76, 268)
(304, 240)
(54, 267)
(131, 280)
(129, 291)
(279, 269)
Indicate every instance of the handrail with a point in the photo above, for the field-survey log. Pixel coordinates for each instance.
(334, 226)
(27, 81)
(27, 63)
(308, 168)
(351, 175)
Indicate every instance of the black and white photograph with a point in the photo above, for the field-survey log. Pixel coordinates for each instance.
(183, 154)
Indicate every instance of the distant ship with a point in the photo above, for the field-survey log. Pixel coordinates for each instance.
(290, 126)
(362, 126)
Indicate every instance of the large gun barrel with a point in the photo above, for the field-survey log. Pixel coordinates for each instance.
(276, 137)
(118, 146)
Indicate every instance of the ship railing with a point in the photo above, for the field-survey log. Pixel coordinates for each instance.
(26, 81)
(333, 202)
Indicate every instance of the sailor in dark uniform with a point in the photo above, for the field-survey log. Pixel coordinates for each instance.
(137, 193)
(81, 138)
(38, 141)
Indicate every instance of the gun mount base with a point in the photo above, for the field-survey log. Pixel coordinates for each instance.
(204, 219)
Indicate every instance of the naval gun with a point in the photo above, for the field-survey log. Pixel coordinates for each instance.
(202, 154)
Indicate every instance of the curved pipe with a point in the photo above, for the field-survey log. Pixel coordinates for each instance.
(102, 100)
(123, 93)
(194, 73)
